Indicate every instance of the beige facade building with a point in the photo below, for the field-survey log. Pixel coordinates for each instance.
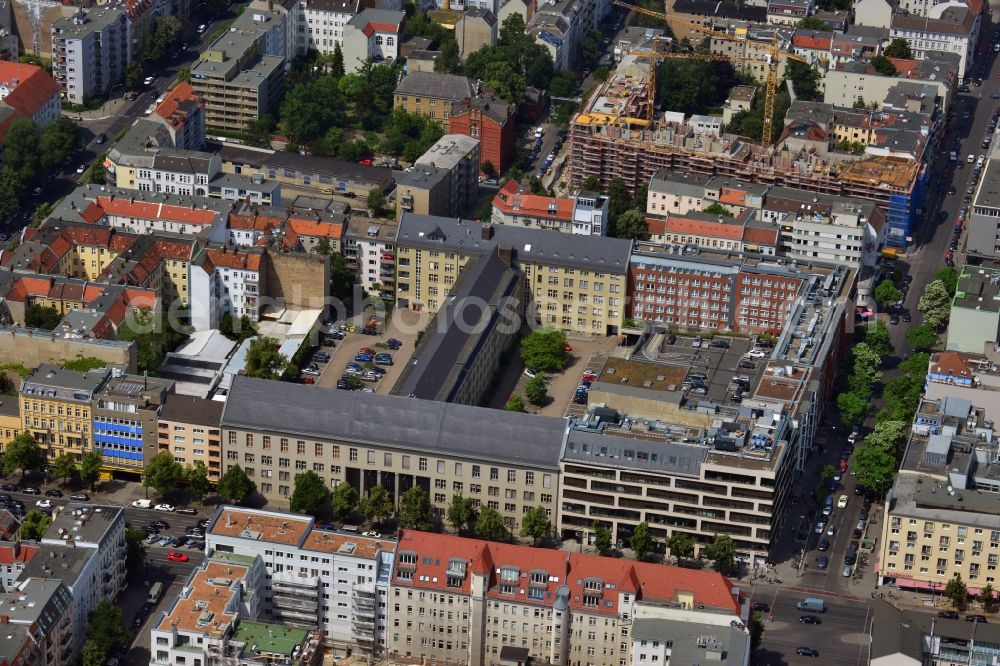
(577, 283)
(188, 429)
(56, 408)
(942, 519)
(476, 28)
(423, 190)
(433, 95)
(503, 460)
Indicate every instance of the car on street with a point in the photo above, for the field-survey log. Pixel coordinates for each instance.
(831, 529)
(160, 524)
(975, 618)
(81, 168)
(187, 512)
(31, 490)
(842, 502)
(823, 546)
(894, 318)
(9, 487)
(44, 504)
(761, 607)
(948, 615)
(821, 525)
(810, 619)
(822, 561)
(846, 573)
(906, 316)
(164, 507)
(174, 556)
(53, 492)
(807, 651)
(80, 497)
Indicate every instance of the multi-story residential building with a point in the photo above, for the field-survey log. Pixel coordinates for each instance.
(479, 600)
(225, 281)
(27, 91)
(581, 213)
(676, 193)
(464, 343)
(84, 547)
(182, 112)
(492, 121)
(951, 28)
(744, 233)
(13, 556)
(853, 81)
(576, 282)
(511, 464)
(373, 34)
(321, 24)
(188, 429)
(370, 248)
(476, 28)
(722, 16)
(940, 520)
(90, 51)
(43, 608)
(974, 323)
(983, 220)
(458, 155)
(125, 414)
(433, 95)
(56, 408)
(241, 76)
(316, 233)
(334, 582)
(788, 12)
(905, 636)
(557, 27)
(10, 420)
(423, 190)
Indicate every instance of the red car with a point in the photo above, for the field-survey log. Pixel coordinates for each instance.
(367, 162)
(366, 350)
(174, 556)
(568, 348)
(843, 466)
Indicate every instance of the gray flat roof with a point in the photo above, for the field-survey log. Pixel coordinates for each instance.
(191, 409)
(694, 642)
(84, 22)
(87, 523)
(978, 289)
(54, 382)
(587, 446)
(594, 253)
(404, 423)
(41, 600)
(63, 562)
(311, 164)
(448, 151)
(988, 195)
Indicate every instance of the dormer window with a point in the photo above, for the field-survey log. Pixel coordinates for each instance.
(456, 567)
(593, 585)
(509, 574)
(539, 578)
(408, 557)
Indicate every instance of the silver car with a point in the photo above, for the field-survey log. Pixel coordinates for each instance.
(846, 573)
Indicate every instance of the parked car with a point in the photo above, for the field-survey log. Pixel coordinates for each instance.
(807, 651)
(975, 618)
(164, 507)
(187, 512)
(756, 353)
(44, 504)
(80, 497)
(383, 359)
(53, 492)
(363, 358)
(846, 573)
(822, 561)
(810, 619)
(31, 490)
(175, 556)
(823, 546)
(160, 524)
(948, 615)
(393, 343)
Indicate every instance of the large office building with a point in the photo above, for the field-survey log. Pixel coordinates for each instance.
(90, 51)
(504, 460)
(188, 429)
(576, 283)
(125, 413)
(321, 580)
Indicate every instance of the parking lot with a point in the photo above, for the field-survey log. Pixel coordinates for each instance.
(401, 326)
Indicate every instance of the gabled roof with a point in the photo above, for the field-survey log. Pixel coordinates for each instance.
(514, 200)
(179, 104)
(370, 21)
(306, 227)
(28, 88)
(437, 86)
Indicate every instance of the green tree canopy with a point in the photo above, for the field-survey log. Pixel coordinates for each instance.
(535, 524)
(949, 278)
(135, 550)
(515, 403)
(41, 317)
(874, 467)
(376, 201)
(133, 74)
(922, 337)
(536, 390)
(602, 538)
(694, 86)
(90, 467)
(957, 591)
(805, 78)
(884, 66)
(898, 48)
(235, 329)
(680, 545)
(162, 473)
(344, 500)
(166, 36)
(263, 359)
(310, 494)
(886, 293)
(935, 304)
(63, 467)
(490, 525)
(106, 629)
(544, 350)
(235, 486)
(715, 208)
(34, 525)
(22, 455)
(632, 225)
(196, 476)
(888, 435)
(722, 551)
(409, 135)
(377, 507)
(852, 407)
(812, 23)
(313, 107)
(461, 513)
(642, 542)
(415, 509)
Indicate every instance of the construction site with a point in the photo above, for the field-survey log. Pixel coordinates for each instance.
(619, 134)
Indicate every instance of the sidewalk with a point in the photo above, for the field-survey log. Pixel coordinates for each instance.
(112, 107)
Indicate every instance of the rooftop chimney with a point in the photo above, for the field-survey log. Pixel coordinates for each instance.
(487, 232)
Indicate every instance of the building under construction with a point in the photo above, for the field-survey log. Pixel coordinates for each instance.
(612, 137)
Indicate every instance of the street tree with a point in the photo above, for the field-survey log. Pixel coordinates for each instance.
(22, 454)
(949, 278)
(263, 360)
(415, 509)
(135, 550)
(106, 628)
(515, 403)
(344, 500)
(90, 468)
(196, 476)
(887, 293)
(722, 551)
(957, 591)
(642, 541)
(874, 467)
(235, 486)
(631, 225)
(34, 525)
(544, 350)
(92, 654)
(888, 435)
(490, 526)
(535, 524)
(852, 407)
(935, 304)
(988, 597)
(681, 546)
(310, 494)
(377, 507)
(922, 337)
(602, 538)
(162, 473)
(460, 513)
(63, 467)
(827, 472)
(536, 391)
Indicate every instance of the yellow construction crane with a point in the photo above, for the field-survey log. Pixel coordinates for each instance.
(772, 51)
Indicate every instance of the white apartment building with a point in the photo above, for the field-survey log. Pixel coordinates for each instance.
(851, 233)
(674, 193)
(950, 28)
(336, 582)
(321, 24)
(584, 213)
(224, 281)
(370, 246)
(90, 51)
(373, 34)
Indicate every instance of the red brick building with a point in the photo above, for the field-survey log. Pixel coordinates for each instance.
(492, 121)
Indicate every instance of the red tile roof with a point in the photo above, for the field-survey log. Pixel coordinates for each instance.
(678, 224)
(34, 88)
(129, 207)
(238, 259)
(9, 554)
(379, 26)
(514, 200)
(607, 577)
(306, 227)
(255, 222)
(905, 67)
(954, 364)
(814, 41)
(761, 235)
(175, 107)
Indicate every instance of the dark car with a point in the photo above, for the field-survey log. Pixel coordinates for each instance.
(4, 497)
(80, 497)
(137, 622)
(203, 523)
(150, 529)
(975, 618)
(363, 358)
(161, 524)
(810, 619)
(187, 512)
(822, 561)
(948, 615)
(823, 546)
(859, 490)
(906, 316)
(53, 492)
(761, 607)
(720, 344)
(807, 651)
(671, 339)
(343, 385)
(101, 138)
(951, 189)
(9, 487)
(393, 343)
(30, 490)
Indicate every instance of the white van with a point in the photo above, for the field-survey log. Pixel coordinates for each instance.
(539, 132)
(971, 158)
(142, 503)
